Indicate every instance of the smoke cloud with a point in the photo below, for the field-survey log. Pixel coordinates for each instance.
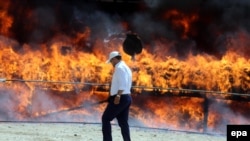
(216, 24)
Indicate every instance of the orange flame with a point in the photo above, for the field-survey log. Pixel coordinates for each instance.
(63, 61)
(6, 20)
(181, 21)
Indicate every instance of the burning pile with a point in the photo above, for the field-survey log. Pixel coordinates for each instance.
(65, 57)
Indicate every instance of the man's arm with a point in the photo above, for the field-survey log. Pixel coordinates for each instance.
(118, 96)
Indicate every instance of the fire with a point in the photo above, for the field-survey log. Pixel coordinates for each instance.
(219, 75)
(45, 80)
(167, 112)
(6, 20)
(181, 21)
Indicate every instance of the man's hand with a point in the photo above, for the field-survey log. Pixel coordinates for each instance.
(117, 99)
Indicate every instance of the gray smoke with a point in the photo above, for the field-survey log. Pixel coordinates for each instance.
(218, 20)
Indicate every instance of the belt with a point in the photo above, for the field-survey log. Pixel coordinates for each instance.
(121, 95)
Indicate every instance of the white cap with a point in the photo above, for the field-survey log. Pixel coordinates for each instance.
(112, 55)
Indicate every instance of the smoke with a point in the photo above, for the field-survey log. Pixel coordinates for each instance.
(40, 21)
(216, 19)
(7, 110)
(159, 5)
(42, 101)
(224, 112)
(14, 106)
(45, 20)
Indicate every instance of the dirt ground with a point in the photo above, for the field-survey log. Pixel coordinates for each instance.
(23, 131)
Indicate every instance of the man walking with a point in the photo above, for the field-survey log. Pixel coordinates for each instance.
(120, 99)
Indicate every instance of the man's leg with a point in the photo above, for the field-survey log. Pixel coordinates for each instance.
(109, 114)
(107, 117)
(123, 118)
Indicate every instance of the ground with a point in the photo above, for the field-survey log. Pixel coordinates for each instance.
(25, 131)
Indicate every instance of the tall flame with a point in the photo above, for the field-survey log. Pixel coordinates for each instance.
(64, 58)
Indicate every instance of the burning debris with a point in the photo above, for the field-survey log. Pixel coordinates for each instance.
(191, 63)
(132, 45)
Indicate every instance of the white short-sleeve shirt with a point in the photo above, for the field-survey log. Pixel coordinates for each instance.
(121, 79)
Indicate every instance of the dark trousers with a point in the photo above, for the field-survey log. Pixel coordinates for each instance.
(121, 113)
